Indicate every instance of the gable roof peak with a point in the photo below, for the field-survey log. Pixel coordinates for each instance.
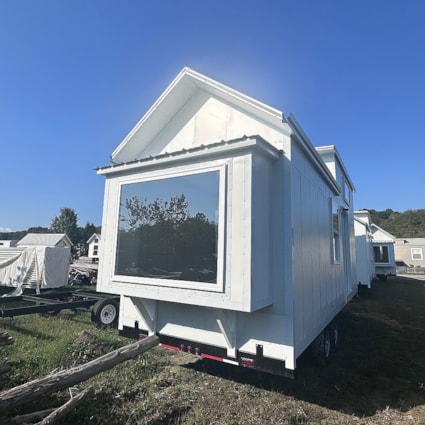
(174, 97)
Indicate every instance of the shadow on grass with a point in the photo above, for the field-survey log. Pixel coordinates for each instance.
(380, 362)
(12, 326)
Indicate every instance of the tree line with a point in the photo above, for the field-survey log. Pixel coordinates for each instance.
(66, 222)
(407, 224)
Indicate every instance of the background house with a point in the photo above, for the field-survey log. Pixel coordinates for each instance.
(410, 251)
(383, 250)
(93, 246)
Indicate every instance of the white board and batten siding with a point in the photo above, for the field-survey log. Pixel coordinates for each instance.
(365, 264)
(285, 234)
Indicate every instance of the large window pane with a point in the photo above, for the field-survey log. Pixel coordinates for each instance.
(381, 254)
(168, 228)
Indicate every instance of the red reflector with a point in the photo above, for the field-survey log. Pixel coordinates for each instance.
(209, 356)
(171, 347)
(141, 337)
(245, 362)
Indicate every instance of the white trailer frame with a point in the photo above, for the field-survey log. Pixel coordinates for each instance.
(286, 248)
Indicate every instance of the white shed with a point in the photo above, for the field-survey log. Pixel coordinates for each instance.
(365, 264)
(224, 230)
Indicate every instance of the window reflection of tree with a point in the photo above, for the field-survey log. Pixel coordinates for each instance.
(161, 239)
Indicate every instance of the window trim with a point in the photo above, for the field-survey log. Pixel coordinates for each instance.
(419, 252)
(381, 248)
(335, 235)
(213, 166)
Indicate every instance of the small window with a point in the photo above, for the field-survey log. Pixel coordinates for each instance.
(95, 251)
(336, 242)
(346, 193)
(381, 254)
(417, 254)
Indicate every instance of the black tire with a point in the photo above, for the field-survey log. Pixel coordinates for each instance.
(334, 331)
(105, 313)
(322, 348)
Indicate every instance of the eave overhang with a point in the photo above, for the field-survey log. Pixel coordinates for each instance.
(200, 153)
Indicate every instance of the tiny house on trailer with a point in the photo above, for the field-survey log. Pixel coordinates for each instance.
(384, 255)
(225, 232)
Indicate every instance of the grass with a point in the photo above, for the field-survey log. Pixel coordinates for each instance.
(376, 377)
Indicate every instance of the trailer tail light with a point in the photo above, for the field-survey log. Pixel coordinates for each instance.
(171, 347)
(245, 362)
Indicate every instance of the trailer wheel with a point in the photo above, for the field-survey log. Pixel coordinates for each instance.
(322, 348)
(333, 327)
(105, 313)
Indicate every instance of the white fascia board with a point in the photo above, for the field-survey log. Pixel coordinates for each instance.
(380, 229)
(311, 152)
(155, 108)
(206, 152)
(240, 98)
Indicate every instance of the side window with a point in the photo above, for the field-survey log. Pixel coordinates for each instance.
(416, 254)
(346, 193)
(381, 254)
(336, 240)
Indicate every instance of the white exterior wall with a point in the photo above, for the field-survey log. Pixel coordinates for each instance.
(364, 254)
(278, 291)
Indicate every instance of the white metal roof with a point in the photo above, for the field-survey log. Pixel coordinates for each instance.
(44, 239)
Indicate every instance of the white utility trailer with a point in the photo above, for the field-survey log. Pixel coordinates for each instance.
(225, 232)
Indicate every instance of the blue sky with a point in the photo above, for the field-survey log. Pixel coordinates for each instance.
(76, 76)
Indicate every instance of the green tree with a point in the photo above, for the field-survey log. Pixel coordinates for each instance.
(87, 231)
(66, 222)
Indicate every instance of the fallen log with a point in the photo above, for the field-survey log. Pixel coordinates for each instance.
(67, 378)
(61, 411)
(28, 417)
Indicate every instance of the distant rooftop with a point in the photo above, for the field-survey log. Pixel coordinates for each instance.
(45, 239)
